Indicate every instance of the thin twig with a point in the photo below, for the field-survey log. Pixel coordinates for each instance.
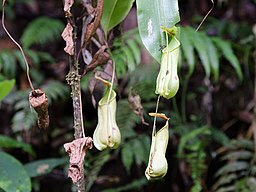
(205, 16)
(22, 52)
(154, 123)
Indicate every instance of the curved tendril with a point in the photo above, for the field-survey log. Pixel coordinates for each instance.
(18, 45)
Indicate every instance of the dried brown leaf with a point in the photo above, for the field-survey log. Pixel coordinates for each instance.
(39, 101)
(67, 35)
(100, 58)
(77, 151)
(67, 5)
(135, 104)
(93, 21)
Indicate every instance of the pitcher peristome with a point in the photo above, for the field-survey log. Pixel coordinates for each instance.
(167, 83)
(157, 164)
(107, 133)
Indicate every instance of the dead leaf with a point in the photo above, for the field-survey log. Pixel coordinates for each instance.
(76, 151)
(92, 21)
(39, 101)
(67, 35)
(67, 5)
(135, 104)
(100, 58)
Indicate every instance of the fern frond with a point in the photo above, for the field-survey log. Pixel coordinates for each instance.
(95, 164)
(7, 64)
(143, 81)
(126, 52)
(24, 120)
(219, 136)
(41, 31)
(56, 90)
(224, 180)
(126, 119)
(232, 167)
(227, 51)
(209, 50)
(237, 155)
(239, 167)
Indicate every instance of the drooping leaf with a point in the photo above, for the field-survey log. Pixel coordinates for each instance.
(24, 120)
(43, 167)
(151, 16)
(55, 90)
(114, 11)
(127, 156)
(191, 135)
(241, 143)
(126, 52)
(141, 154)
(130, 58)
(227, 51)
(225, 179)
(7, 64)
(126, 119)
(219, 136)
(187, 49)
(96, 163)
(226, 189)
(232, 167)
(238, 155)
(213, 57)
(7, 142)
(13, 177)
(5, 88)
(41, 31)
(201, 48)
(135, 50)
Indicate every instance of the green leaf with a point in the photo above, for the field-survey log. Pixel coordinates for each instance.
(42, 30)
(120, 63)
(19, 58)
(238, 155)
(55, 90)
(226, 49)
(8, 63)
(127, 156)
(114, 11)
(197, 39)
(213, 57)
(96, 163)
(126, 119)
(219, 136)
(130, 59)
(126, 52)
(188, 49)
(43, 167)
(5, 88)
(191, 135)
(226, 189)
(151, 16)
(24, 120)
(140, 153)
(7, 142)
(232, 167)
(224, 180)
(13, 174)
(135, 50)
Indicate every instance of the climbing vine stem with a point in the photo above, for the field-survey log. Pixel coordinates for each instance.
(73, 79)
(18, 45)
